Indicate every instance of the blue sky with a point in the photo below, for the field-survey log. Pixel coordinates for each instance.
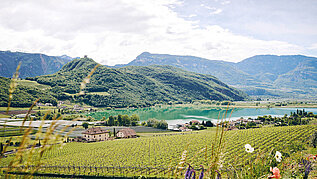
(116, 31)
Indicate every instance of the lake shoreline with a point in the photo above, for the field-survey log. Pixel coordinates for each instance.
(205, 105)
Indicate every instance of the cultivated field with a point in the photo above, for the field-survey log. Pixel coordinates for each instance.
(160, 155)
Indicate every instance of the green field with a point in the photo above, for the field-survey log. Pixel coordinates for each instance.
(33, 84)
(153, 155)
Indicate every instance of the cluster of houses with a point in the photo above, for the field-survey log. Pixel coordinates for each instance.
(62, 105)
(42, 104)
(233, 124)
(185, 127)
(98, 134)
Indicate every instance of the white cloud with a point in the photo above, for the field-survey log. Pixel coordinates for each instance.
(313, 46)
(116, 31)
(216, 11)
(225, 2)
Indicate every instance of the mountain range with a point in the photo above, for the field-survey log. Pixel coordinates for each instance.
(291, 76)
(32, 64)
(268, 75)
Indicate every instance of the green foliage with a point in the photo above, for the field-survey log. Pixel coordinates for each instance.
(124, 87)
(122, 120)
(85, 125)
(160, 124)
(209, 124)
(135, 86)
(24, 95)
(300, 117)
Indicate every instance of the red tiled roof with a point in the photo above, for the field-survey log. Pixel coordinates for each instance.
(195, 121)
(128, 132)
(96, 130)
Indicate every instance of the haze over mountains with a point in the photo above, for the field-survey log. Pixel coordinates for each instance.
(269, 75)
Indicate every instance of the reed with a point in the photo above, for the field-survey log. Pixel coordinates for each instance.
(25, 155)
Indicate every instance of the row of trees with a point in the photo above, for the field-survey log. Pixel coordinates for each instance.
(122, 120)
(159, 124)
(300, 117)
(133, 120)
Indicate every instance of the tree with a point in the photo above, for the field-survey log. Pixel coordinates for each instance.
(85, 125)
(111, 121)
(120, 120)
(134, 119)
(126, 120)
(1, 148)
(151, 122)
(209, 124)
(162, 124)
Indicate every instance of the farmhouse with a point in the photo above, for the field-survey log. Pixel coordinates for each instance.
(96, 134)
(194, 122)
(126, 133)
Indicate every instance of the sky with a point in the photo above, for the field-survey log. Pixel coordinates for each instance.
(117, 31)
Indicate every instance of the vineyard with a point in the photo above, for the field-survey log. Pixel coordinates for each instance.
(159, 155)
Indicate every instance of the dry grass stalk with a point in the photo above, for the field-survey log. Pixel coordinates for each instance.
(25, 157)
(13, 85)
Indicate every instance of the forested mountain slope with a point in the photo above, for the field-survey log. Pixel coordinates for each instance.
(32, 64)
(135, 86)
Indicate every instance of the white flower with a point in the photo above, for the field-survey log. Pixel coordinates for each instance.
(86, 80)
(278, 156)
(248, 148)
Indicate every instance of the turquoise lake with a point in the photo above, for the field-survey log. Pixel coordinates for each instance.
(175, 115)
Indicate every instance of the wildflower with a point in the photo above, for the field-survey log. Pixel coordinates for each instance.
(187, 172)
(218, 175)
(276, 173)
(278, 156)
(86, 80)
(307, 167)
(192, 173)
(201, 176)
(183, 157)
(248, 148)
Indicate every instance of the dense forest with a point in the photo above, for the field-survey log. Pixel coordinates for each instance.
(25, 95)
(134, 86)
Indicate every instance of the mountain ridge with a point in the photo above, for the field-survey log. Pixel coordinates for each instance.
(257, 73)
(32, 64)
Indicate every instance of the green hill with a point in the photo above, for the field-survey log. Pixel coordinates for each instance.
(135, 86)
(26, 93)
(32, 64)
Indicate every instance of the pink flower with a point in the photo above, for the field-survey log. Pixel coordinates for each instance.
(276, 173)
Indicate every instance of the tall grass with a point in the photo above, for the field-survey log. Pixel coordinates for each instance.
(216, 149)
(13, 85)
(30, 152)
